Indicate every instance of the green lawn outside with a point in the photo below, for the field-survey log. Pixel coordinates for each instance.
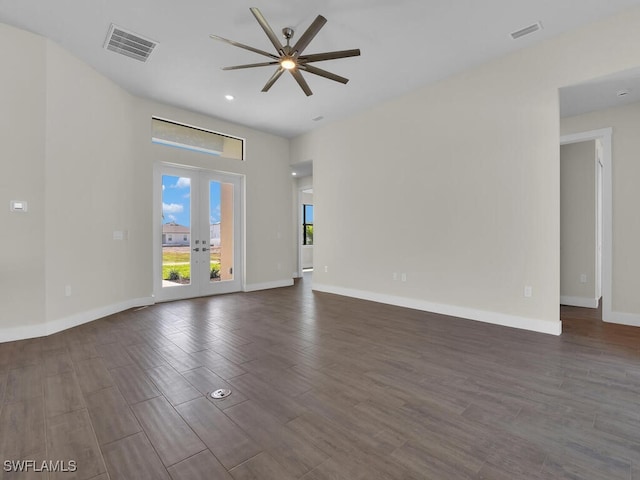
(175, 257)
(179, 260)
(183, 270)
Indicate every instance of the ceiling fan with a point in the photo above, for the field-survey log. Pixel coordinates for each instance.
(290, 57)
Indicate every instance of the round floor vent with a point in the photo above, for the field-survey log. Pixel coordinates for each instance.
(220, 393)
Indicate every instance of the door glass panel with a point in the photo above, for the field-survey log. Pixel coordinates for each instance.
(221, 231)
(176, 231)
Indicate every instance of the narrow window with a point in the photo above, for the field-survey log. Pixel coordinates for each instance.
(173, 134)
(307, 224)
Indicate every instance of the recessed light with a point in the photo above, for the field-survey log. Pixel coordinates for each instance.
(229, 97)
(294, 173)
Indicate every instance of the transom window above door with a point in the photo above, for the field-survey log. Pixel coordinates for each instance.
(174, 134)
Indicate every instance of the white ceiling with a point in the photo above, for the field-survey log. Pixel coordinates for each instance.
(405, 44)
(617, 89)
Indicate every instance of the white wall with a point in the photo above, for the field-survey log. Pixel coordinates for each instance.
(625, 122)
(578, 204)
(89, 191)
(22, 156)
(78, 149)
(471, 196)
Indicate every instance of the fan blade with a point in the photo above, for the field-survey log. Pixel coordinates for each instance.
(301, 81)
(246, 47)
(273, 79)
(250, 65)
(268, 30)
(319, 57)
(322, 73)
(308, 35)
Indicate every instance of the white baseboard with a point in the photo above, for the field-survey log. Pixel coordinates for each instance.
(624, 319)
(579, 301)
(55, 326)
(254, 287)
(22, 332)
(496, 318)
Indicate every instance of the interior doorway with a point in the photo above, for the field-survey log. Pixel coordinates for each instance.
(580, 224)
(603, 213)
(306, 245)
(304, 218)
(305, 227)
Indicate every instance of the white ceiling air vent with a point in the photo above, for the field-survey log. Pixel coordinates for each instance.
(129, 44)
(526, 30)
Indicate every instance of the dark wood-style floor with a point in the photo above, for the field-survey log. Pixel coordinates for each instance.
(324, 387)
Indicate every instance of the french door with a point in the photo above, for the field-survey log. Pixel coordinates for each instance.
(197, 233)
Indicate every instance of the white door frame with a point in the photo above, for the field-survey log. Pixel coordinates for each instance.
(599, 183)
(604, 136)
(238, 283)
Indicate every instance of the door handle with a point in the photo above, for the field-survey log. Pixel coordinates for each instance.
(204, 249)
(196, 249)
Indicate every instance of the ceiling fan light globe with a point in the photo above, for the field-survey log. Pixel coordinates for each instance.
(288, 63)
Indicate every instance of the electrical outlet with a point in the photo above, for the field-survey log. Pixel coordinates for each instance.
(326, 268)
(528, 291)
(583, 278)
(404, 277)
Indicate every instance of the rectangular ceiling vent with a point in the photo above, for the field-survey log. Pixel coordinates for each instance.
(527, 30)
(129, 44)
